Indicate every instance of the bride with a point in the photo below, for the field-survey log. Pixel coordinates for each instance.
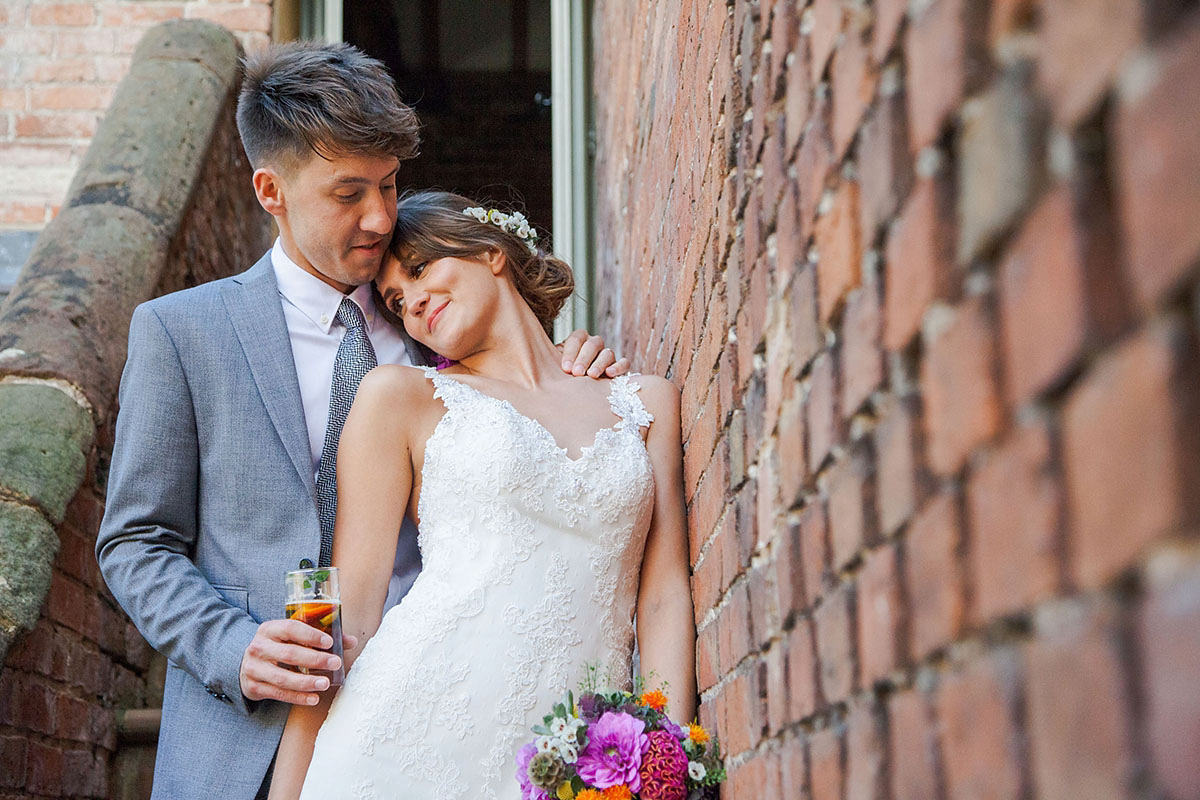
(550, 510)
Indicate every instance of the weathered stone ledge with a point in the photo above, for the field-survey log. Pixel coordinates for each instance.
(63, 327)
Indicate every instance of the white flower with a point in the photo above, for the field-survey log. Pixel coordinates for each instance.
(559, 726)
(476, 212)
(569, 753)
(533, 232)
(545, 744)
(523, 231)
(696, 771)
(497, 218)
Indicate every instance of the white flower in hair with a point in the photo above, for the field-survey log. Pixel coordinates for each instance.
(480, 214)
(514, 223)
(497, 218)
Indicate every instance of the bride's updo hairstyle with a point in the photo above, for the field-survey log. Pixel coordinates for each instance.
(432, 225)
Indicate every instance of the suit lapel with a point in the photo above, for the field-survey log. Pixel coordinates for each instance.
(256, 313)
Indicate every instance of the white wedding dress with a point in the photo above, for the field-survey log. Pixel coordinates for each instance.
(530, 563)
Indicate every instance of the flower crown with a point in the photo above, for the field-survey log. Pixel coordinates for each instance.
(514, 223)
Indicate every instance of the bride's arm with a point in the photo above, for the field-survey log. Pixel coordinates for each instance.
(374, 483)
(665, 619)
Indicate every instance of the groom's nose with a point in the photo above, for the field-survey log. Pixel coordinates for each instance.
(377, 216)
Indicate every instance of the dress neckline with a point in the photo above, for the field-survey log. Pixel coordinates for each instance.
(539, 427)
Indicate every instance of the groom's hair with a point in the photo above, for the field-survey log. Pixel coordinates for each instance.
(300, 98)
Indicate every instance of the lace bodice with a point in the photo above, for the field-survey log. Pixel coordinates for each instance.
(530, 564)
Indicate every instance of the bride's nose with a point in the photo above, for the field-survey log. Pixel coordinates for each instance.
(416, 302)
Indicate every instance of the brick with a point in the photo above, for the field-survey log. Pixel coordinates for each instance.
(814, 161)
(1000, 161)
(95, 41)
(12, 761)
(801, 296)
(1082, 45)
(919, 260)
(865, 753)
(933, 576)
(78, 69)
(801, 671)
(884, 165)
(851, 523)
(1158, 168)
(825, 764)
(979, 737)
(839, 254)
(814, 548)
(743, 726)
(889, 14)
(1078, 708)
(235, 16)
(824, 429)
(896, 478)
(765, 620)
(793, 465)
(776, 691)
(120, 14)
(913, 752)
(935, 50)
(43, 773)
(822, 23)
(62, 14)
(76, 98)
(796, 100)
(793, 777)
(958, 386)
(1042, 314)
(1013, 501)
(789, 570)
(834, 627)
(1168, 633)
(862, 358)
(57, 125)
(1127, 452)
(853, 86)
(708, 670)
(880, 615)
(733, 629)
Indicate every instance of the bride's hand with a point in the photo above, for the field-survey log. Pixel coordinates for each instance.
(584, 354)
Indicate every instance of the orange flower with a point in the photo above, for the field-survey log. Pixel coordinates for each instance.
(589, 794)
(697, 734)
(655, 699)
(618, 792)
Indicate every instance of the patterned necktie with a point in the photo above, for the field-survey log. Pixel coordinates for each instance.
(355, 358)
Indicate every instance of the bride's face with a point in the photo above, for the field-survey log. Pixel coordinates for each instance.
(444, 303)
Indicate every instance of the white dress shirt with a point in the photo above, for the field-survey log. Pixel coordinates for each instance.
(310, 309)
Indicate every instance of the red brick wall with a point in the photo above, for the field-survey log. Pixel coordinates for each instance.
(60, 62)
(926, 274)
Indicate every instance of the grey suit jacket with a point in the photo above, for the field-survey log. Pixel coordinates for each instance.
(210, 500)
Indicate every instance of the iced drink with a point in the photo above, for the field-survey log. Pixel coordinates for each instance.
(314, 599)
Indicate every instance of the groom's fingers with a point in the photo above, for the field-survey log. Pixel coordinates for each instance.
(570, 348)
(589, 351)
(290, 643)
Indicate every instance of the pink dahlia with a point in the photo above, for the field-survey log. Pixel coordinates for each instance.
(663, 768)
(616, 744)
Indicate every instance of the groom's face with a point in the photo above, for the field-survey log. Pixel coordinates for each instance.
(336, 215)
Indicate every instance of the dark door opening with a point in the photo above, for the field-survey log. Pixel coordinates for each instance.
(478, 75)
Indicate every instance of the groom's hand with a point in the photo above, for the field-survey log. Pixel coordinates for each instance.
(587, 355)
(278, 644)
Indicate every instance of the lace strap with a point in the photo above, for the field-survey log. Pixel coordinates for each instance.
(624, 401)
(446, 389)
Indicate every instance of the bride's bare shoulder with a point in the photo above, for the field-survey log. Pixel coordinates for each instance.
(659, 395)
(390, 384)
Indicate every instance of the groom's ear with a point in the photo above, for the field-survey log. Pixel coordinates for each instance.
(269, 190)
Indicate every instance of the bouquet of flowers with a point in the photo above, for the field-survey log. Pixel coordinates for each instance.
(617, 745)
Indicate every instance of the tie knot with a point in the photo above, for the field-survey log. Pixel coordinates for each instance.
(350, 315)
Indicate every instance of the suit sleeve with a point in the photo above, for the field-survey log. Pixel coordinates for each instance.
(149, 528)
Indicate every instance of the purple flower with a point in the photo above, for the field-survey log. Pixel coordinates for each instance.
(589, 707)
(528, 790)
(673, 729)
(616, 744)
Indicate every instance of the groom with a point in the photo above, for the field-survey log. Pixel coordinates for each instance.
(224, 404)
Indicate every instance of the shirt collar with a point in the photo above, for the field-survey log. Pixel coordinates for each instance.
(315, 298)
